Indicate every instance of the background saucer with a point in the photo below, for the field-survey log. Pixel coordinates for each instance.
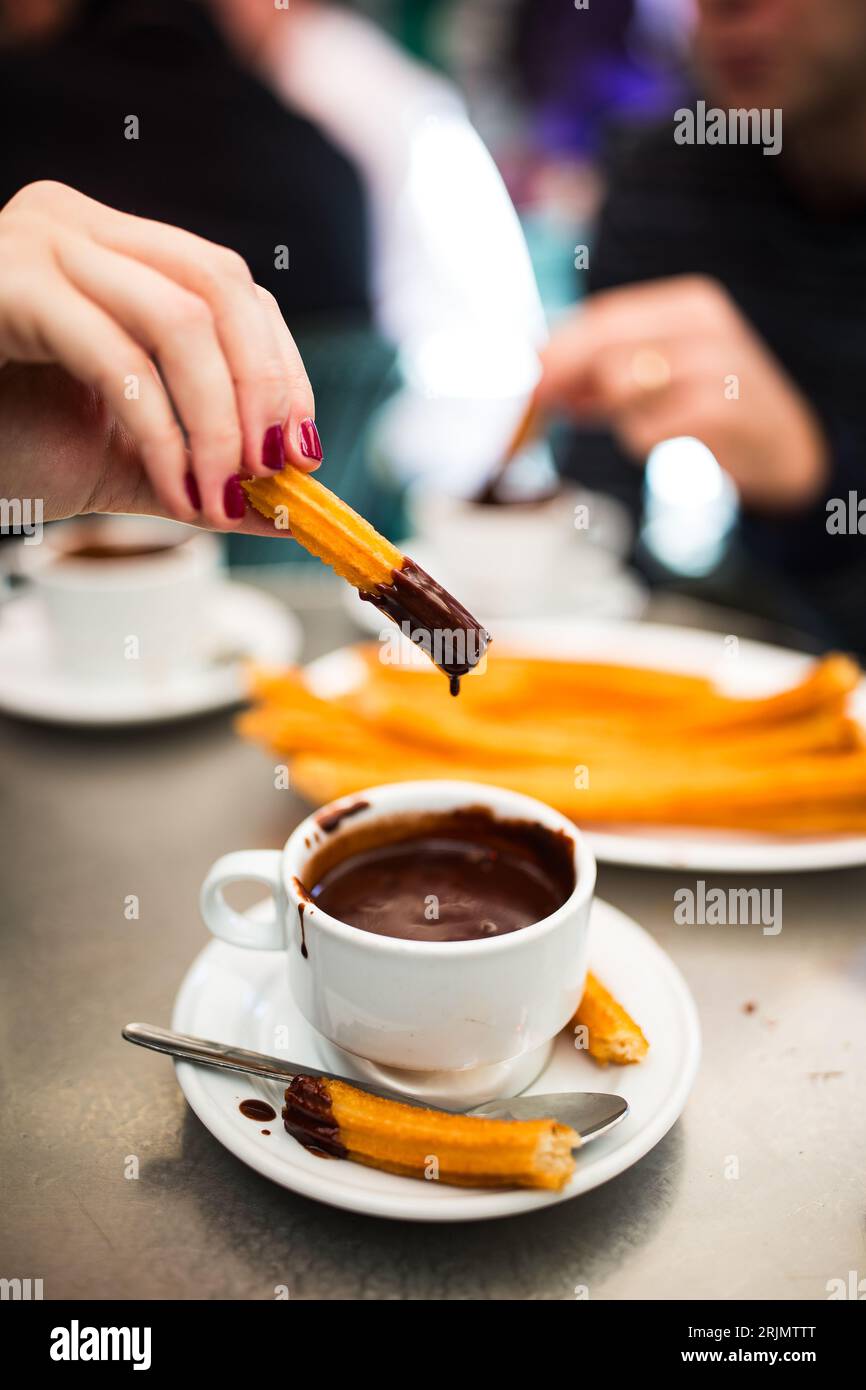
(247, 625)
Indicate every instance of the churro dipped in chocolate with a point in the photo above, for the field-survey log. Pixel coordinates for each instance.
(382, 574)
(334, 1119)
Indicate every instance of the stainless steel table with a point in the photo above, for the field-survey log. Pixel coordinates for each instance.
(88, 819)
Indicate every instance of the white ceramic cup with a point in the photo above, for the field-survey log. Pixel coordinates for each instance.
(136, 620)
(547, 553)
(453, 1022)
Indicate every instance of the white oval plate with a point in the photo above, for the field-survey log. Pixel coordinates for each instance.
(739, 666)
(242, 997)
(248, 625)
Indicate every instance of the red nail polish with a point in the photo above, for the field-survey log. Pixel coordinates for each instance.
(192, 491)
(273, 448)
(234, 501)
(311, 444)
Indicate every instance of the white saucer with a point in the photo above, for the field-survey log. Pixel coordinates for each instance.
(739, 666)
(242, 997)
(248, 625)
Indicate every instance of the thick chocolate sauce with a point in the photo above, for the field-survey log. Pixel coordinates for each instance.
(464, 876)
(308, 1117)
(257, 1110)
(433, 619)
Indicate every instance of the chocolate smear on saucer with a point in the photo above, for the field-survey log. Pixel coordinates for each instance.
(257, 1110)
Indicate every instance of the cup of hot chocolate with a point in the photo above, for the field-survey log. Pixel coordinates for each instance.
(436, 933)
(126, 599)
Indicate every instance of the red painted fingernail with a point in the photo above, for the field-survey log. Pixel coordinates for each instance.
(273, 448)
(234, 501)
(311, 444)
(192, 491)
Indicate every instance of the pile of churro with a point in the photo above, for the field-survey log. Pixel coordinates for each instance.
(608, 745)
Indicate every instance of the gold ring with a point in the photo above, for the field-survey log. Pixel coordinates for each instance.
(650, 369)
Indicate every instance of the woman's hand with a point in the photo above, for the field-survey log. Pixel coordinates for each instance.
(153, 325)
(676, 357)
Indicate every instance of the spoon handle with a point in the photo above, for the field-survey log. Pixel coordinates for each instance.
(226, 1057)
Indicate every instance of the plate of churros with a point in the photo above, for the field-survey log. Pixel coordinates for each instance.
(635, 1034)
(670, 747)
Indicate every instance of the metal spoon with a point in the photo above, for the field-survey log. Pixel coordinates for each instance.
(590, 1113)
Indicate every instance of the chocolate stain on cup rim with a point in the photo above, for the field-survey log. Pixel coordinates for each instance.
(330, 821)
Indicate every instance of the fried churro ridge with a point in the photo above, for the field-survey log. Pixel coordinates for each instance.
(331, 1117)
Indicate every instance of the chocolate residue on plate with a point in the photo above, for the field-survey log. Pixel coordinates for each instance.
(257, 1110)
(432, 619)
(309, 1118)
(329, 820)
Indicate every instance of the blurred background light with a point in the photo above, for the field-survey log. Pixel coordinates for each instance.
(690, 507)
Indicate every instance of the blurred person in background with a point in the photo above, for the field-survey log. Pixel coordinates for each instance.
(727, 300)
(345, 175)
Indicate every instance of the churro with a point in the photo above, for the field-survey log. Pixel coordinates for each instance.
(332, 1118)
(326, 526)
(611, 1034)
(605, 745)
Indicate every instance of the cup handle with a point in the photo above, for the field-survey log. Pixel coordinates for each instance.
(261, 866)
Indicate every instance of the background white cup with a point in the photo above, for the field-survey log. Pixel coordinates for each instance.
(139, 619)
(549, 556)
(453, 1022)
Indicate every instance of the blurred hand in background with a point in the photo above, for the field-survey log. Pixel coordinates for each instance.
(677, 357)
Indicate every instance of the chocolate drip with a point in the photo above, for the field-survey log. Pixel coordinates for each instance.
(305, 898)
(304, 952)
(309, 1118)
(432, 619)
